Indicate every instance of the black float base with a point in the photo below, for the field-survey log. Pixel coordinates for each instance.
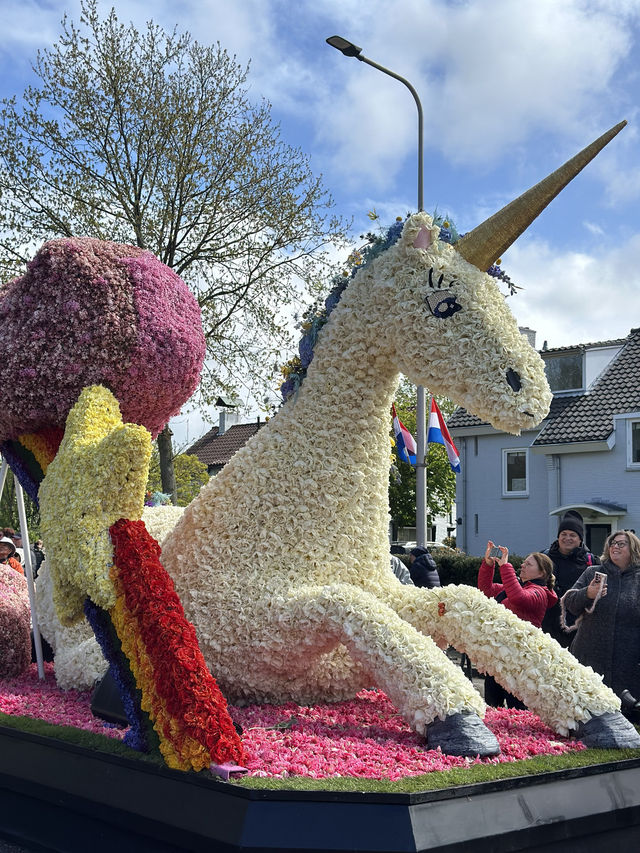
(59, 797)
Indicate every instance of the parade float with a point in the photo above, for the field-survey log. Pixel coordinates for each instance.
(273, 587)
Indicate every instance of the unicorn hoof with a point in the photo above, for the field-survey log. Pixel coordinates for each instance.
(462, 734)
(609, 731)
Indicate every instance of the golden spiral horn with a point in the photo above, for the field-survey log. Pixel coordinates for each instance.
(482, 246)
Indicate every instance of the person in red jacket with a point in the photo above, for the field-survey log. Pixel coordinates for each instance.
(529, 598)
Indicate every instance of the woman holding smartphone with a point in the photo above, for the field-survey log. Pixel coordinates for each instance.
(529, 598)
(608, 609)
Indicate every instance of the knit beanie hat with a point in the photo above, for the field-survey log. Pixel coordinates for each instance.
(572, 520)
(419, 551)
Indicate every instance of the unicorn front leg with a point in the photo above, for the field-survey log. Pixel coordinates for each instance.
(527, 662)
(429, 691)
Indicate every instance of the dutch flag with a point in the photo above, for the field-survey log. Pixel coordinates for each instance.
(439, 434)
(405, 442)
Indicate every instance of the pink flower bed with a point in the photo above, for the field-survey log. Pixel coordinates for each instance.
(367, 737)
(15, 623)
(364, 737)
(26, 696)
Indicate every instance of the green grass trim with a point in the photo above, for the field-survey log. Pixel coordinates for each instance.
(437, 780)
(440, 779)
(78, 737)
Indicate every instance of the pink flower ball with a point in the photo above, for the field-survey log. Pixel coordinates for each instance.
(15, 623)
(91, 312)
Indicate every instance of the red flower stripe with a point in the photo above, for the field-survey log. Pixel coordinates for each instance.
(126, 628)
(190, 710)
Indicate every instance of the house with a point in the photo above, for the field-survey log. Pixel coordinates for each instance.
(584, 456)
(216, 447)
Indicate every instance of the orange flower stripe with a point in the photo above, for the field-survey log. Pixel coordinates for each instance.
(43, 444)
(143, 673)
(181, 696)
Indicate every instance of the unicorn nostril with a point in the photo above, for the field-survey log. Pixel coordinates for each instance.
(514, 380)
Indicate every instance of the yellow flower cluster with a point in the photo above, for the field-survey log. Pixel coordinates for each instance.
(290, 366)
(79, 661)
(98, 476)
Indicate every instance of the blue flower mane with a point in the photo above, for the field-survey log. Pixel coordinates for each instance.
(316, 316)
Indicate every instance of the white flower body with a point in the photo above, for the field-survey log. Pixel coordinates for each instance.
(282, 561)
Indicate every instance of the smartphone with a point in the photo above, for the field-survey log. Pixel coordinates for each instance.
(601, 578)
(495, 552)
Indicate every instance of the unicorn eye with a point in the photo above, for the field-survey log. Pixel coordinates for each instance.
(443, 303)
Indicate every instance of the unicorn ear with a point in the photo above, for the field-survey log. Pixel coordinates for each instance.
(423, 240)
(419, 232)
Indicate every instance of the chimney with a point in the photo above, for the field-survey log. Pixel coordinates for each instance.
(529, 334)
(228, 418)
(228, 413)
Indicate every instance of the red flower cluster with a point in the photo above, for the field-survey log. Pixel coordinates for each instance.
(189, 711)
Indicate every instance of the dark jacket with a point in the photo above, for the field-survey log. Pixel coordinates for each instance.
(609, 638)
(566, 570)
(529, 601)
(424, 571)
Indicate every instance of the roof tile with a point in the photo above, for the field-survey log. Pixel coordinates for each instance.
(214, 449)
(589, 416)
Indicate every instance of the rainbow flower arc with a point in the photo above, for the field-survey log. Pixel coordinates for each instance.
(105, 564)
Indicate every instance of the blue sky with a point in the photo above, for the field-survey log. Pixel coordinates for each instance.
(510, 90)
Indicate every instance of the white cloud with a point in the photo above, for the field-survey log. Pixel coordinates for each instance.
(491, 75)
(594, 228)
(571, 297)
(20, 36)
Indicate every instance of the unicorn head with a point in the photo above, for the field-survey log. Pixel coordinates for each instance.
(446, 323)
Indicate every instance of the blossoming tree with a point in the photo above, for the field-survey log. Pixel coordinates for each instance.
(148, 137)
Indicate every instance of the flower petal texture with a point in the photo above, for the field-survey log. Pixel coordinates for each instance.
(184, 702)
(312, 602)
(96, 312)
(79, 661)
(15, 623)
(98, 476)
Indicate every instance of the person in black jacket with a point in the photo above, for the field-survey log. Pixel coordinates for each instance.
(423, 569)
(570, 558)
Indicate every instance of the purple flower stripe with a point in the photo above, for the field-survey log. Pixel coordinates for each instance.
(10, 454)
(141, 735)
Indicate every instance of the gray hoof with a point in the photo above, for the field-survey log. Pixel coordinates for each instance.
(462, 734)
(609, 731)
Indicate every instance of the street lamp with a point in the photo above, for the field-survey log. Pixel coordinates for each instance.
(348, 48)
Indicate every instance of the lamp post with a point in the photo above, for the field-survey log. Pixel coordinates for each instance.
(348, 48)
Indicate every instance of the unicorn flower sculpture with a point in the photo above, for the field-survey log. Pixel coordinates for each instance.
(282, 562)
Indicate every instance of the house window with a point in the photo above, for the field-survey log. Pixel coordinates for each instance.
(564, 372)
(633, 444)
(515, 472)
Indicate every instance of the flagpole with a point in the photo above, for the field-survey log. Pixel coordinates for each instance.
(421, 468)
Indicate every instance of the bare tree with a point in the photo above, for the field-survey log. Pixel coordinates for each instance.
(150, 138)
